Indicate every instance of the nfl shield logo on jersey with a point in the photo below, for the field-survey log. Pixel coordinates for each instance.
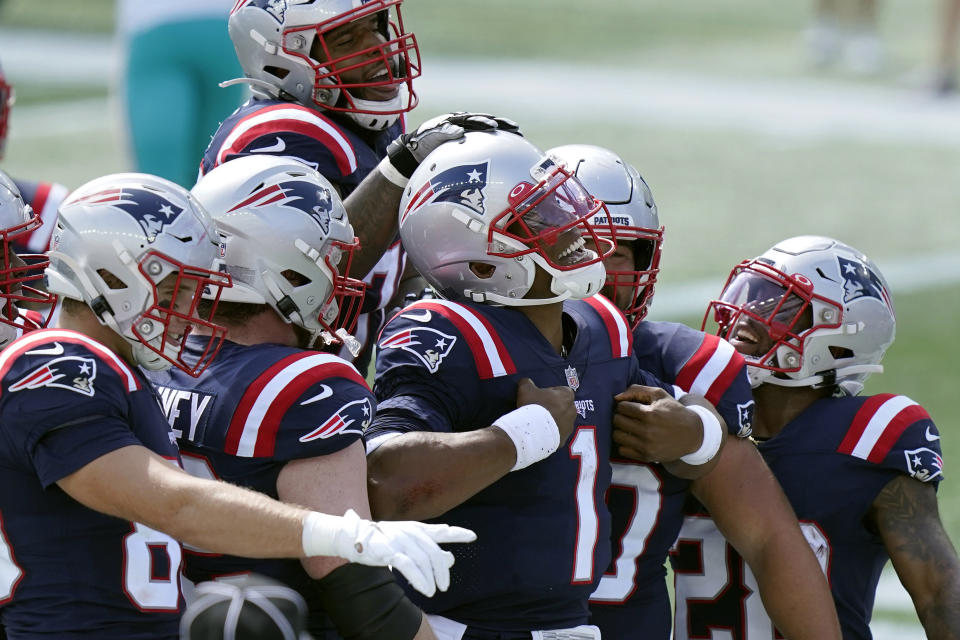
(745, 418)
(924, 464)
(573, 381)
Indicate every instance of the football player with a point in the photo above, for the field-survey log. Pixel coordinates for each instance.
(645, 499)
(94, 499)
(43, 197)
(24, 306)
(497, 399)
(813, 317)
(331, 82)
(272, 414)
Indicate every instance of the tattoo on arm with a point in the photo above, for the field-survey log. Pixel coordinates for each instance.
(906, 517)
(372, 208)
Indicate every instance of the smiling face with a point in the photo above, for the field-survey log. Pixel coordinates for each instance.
(355, 52)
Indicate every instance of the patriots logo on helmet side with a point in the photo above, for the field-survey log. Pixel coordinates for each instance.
(151, 210)
(73, 373)
(924, 464)
(428, 345)
(312, 199)
(859, 281)
(358, 412)
(463, 185)
(276, 8)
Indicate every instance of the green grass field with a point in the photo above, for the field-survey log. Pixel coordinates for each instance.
(724, 192)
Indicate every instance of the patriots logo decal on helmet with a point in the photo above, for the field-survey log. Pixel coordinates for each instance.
(358, 412)
(276, 8)
(859, 281)
(297, 194)
(73, 373)
(463, 185)
(428, 345)
(150, 209)
(924, 464)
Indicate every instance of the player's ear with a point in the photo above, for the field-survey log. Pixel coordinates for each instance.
(482, 269)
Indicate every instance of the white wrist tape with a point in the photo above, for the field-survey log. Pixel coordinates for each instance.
(534, 433)
(712, 437)
(390, 173)
(323, 534)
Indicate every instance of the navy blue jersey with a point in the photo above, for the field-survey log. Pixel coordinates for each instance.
(831, 461)
(343, 152)
(646, 501)
(44, 198)
(543, 532)
(250, 412)
(67, 571)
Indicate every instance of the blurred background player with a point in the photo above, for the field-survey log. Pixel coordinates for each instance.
(331, 82)
(43, 197)
(89, 460)
(175, 54)
(846, 30)
(948, 44)
(25, 306)
(646, 500)
(813, 317)
(480, 389)
(271, 413)
(251, 607)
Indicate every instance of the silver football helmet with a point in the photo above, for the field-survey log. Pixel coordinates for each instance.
(6, 101)
(140, 252)
(633, 215)
(811, 311)
(336, 55)
(18, 273)
(481, 214)
(288, 242)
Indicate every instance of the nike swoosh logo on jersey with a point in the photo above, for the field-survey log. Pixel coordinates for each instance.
(421, 317)
(325, 392)
(930, 436)
(55, 350)
(278, 147)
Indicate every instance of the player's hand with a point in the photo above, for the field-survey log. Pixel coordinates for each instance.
(650, 426)
(557, 400)
(412, 548)
(408, 150)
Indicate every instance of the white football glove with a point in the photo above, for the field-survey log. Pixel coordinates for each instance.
(409, 547)
(408, 150)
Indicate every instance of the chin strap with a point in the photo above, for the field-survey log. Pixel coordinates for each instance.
(834, 376)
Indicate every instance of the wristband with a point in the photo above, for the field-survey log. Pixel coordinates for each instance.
(323, 534)
(534, 433)
(712, 437)
(388, 171)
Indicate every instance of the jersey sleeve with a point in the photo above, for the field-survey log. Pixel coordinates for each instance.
(704, 364)
(291, 130)
(63, 405)
(305, 405)
(426, 378)
(895, 432)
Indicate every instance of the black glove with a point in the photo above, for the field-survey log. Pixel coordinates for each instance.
(408, 150)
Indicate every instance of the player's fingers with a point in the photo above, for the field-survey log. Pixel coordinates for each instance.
(629, 409)
(445, 533)
(639, 393)
(633, 454)
(414, 574)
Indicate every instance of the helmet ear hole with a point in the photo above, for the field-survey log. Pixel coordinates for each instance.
(112, 281)
(295, 278)
(840, 353)
(482, 270)
(278, 72)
